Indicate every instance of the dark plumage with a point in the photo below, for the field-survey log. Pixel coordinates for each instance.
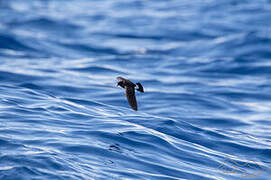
(130, 90)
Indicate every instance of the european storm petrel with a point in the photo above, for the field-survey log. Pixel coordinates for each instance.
(130, 90)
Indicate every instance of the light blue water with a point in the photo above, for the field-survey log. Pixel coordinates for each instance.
(206, 70)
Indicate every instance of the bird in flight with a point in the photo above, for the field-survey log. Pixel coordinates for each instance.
(130, 90)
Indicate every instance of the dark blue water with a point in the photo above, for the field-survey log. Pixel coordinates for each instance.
(205, 66)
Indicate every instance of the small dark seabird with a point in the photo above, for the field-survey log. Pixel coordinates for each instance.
(130, 90)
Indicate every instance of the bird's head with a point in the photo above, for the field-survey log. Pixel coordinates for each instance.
(120, 83)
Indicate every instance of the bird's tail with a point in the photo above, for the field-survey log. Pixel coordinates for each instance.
(140, 87)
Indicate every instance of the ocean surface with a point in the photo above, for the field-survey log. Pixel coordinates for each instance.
(205, 66)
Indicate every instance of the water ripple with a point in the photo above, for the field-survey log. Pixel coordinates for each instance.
(205, 70)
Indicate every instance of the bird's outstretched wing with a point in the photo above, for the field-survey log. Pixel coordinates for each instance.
(121, 79)
(130, 95)
(125, 82)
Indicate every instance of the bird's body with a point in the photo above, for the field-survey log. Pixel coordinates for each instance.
(130, 90)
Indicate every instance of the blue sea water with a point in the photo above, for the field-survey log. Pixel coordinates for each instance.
(205, 66)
